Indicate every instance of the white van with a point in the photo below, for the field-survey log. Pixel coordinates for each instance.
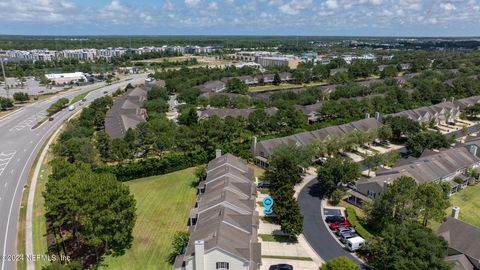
(355, 243)
(71, 107)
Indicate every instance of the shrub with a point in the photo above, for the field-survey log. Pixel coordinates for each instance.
(353, 219)
(336, 196)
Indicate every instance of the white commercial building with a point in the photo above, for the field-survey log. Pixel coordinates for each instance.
(66, 78)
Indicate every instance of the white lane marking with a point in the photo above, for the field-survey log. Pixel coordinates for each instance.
(29, 122)
(6, 158)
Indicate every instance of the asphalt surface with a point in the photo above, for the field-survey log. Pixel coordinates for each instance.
(314, 228)
(19, 145)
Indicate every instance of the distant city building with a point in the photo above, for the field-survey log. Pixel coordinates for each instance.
(270, 61)
(66, 78)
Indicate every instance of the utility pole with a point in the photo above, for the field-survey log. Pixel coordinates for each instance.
(4, 78)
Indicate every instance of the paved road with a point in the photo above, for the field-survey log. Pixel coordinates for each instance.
(314, 229)
(19, 145)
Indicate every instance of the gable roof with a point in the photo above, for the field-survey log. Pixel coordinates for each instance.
(461, 237)
(304, 138)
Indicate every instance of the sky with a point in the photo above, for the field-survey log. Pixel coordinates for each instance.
(241, 17)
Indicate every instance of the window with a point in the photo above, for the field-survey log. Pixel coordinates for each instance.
(222, 265)
(371, 193)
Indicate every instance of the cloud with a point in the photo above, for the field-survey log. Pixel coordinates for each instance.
(192, 3)
(447, 6)
(36, 11)
(331, 4)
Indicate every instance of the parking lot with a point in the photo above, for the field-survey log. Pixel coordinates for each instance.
(30, 86)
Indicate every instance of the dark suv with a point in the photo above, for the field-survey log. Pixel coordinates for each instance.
(281, 267)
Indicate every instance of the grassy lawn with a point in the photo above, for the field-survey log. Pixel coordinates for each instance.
(469, 204)
(277, 238)
(82, 96)
(163, 205)
(38, 221)
(288, 257)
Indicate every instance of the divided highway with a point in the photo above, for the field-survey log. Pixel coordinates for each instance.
(19, 145)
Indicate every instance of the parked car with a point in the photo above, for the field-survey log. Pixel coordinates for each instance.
(105, 92)
(347, 235)
(338, 225)
(50, 119)
(71, 107)
(339, 231)
(264, 184)
(355, 243)
(333, 219)
(321, 160)
(281, 267)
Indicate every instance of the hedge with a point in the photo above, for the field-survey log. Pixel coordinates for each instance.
(353, 219)
(153, 166)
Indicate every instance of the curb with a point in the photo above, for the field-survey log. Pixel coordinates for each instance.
(11, 114)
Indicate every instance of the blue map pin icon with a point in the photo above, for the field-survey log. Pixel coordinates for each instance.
(268, 204)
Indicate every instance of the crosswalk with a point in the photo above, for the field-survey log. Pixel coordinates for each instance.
(5, 158)
(29, 122)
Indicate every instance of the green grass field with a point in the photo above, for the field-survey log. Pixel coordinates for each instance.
(163, 205)
(469, 204)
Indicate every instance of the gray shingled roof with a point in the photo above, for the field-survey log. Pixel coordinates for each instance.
(461, 236)
(224, 112)
(428, 168)
(460, 262)
(267, 147)
(126, 112)
(226, 216)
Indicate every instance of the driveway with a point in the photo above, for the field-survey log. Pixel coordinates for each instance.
(314, 228)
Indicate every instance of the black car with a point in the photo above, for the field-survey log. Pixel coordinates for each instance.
(281, 267)
(333, 219)
(264, 184)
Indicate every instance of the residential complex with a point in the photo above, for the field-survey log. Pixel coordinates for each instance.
(88, 54)
(127, 111)
(224, 223)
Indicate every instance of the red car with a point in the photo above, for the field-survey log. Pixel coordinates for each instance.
(338, 225)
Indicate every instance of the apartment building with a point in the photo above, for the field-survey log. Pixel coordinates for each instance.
(224, 224)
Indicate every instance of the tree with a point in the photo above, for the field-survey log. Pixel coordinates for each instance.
(336, 196)
(188, 117)
(57, 106)
(283, 170)
(402, 126)
(432, 202)
(426, 140)
(337, 170)
(103, 145)
(287, 210)
(385, 132)
(372, 162)
(5, 103)
(407, 246)
(388, 72)
(20, 96)
(95, 209)
(235, 85)
(396, 204)
(276, 79)
(340, 263)
(179, 243)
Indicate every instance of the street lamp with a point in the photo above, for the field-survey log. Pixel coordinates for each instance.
(4, 78)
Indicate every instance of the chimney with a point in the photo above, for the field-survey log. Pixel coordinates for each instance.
(377, 116)
(218, 153)
(444, 100)
(367, 115)
(473, 149)
(385, 185)
(455, 212)
(199, 253)
(254, 146)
